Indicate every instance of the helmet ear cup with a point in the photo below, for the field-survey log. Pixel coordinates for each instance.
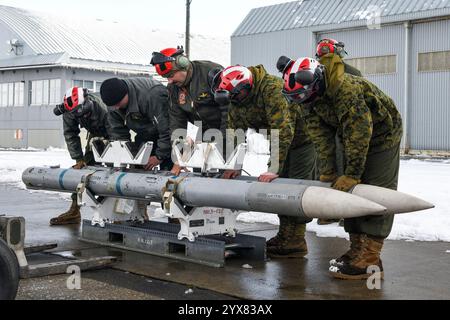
(182, 62)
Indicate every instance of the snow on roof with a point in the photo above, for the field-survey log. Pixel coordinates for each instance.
(308, 13)
(91, 39)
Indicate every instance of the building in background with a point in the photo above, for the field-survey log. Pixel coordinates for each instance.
(402, 46)
(43, 55)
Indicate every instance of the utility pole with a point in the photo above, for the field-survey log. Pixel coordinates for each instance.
(188, 27)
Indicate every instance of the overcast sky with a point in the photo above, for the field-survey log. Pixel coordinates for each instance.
(213, 17)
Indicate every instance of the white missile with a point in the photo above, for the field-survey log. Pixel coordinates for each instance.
(194, 191)
(394, 201)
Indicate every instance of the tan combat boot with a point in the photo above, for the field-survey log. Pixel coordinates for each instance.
(358, 267)
(290, 242)
(283, 233)
(72, 216)
(355, 247)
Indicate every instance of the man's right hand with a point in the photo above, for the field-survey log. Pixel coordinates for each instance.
(328, 177)
(176, 170)
(231, 174)
(79, 165)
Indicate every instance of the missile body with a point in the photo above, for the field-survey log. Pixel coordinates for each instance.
(286, 199)
(394, 201)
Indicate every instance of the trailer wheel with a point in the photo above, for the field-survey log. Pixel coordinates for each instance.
(9, 273)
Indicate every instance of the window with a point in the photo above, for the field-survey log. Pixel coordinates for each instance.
(375, 65)
(98, 85)
(4, 94)
(88, 84)
(11, 94)
(45, 92)
(78, 83)
(55, 91)
(18, 94)
(434, 61)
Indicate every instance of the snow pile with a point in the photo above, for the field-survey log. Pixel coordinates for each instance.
(425, 179)
(428, 180)
(13, 163)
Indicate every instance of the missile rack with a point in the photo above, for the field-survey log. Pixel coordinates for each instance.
(161, 239)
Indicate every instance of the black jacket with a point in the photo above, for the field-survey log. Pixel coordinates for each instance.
(146, 115)
(96, 124)
(195, 101)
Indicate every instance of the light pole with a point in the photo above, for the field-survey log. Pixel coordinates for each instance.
(188, 27)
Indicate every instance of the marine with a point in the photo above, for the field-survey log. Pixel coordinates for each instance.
(256, 102)
(370, 127)
(80, 109)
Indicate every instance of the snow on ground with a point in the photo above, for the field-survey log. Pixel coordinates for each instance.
(426, 179)
(429, 180)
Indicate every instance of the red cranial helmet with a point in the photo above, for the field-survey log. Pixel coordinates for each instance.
(303, 80)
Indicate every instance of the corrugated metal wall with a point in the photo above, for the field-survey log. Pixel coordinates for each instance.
(369, 43)
(266, 48)
(429, 106)
(430, 96)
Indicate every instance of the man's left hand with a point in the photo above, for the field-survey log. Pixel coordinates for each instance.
(345, 183)
(268, 177)
(152, 163)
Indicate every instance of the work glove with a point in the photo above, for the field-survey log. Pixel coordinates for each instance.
(79, 165)
(152, 163)
(177, 169)
(328, 177)
(268, 177)
(231, 174)
(345, 183)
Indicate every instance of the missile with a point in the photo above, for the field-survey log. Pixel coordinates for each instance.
(394, 201)
(298, 200)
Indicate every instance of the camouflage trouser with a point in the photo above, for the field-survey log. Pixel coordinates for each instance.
(300, 164)
(381, 170)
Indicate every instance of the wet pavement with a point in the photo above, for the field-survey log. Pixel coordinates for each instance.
(413, 270)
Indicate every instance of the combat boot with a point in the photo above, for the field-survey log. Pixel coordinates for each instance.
(355, 247)
(72, 216)
(358, 267)
(282, 235)
(291, 243)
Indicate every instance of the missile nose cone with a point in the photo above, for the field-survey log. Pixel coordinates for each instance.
(395, 202)
(326, 203)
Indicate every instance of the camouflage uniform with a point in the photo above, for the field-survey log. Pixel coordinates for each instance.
(351, 70)
(194, 101)
(339, 148)
(369, 126)
(266, 108)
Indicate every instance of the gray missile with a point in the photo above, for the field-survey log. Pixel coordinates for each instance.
(290, 200)
(394, 201)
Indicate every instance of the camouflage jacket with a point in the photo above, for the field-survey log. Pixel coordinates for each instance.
(96, 125)
(266, 108)
(352, 70)
(347, 67)
(146, 115)
(195, 102)
(365, 118)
